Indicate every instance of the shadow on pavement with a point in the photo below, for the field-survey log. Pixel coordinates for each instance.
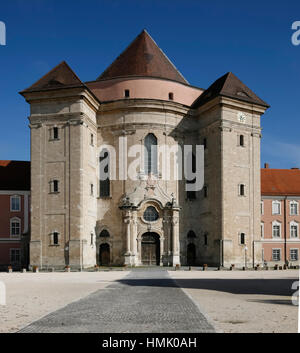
(280, 287)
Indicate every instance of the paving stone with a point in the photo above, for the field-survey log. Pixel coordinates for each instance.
(143, 301)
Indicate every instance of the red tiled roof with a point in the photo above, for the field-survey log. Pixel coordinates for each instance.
(143, 58)
(14, 175)
(229, 86)
(60, 76)
(280, 182)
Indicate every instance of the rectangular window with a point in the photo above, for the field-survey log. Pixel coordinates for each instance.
(276, 255)
(294, 254)
(242, 141)
(276, 231)
(127, 93)
(92, 239)
(242, 239)
(262, 230)
(15, 256)
(15, 229)
(294, 209)
(92, 140)
(104, 175)
(55, 238)
(242, 190)
(92, 189)
(55, 133)
(54, 186)
(294, 231)
(276, 207)
(262, 208)
(15, 203)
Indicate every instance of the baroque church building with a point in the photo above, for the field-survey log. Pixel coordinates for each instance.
(80, 219)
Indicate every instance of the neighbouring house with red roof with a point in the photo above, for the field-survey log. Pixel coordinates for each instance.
(280, 218)
(14, 214)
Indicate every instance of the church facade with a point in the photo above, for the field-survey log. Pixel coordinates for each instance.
(81, 219)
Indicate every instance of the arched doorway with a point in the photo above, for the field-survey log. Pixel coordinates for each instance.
(104, 254)
(191, 254)
(150, 249)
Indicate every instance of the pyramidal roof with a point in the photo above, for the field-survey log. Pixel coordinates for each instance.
(229, 86)
(143, 58)
(60, 76)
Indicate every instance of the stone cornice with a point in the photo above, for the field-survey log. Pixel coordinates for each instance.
(38, 120)
(144, 105)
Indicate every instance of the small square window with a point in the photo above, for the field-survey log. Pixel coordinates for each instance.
(171, 96)
(294, 254)
(276, 255)
(127, 93)
(15, 256)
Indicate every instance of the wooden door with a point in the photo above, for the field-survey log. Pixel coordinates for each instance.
(150, 249)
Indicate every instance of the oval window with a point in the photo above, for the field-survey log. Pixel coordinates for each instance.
(151, 215)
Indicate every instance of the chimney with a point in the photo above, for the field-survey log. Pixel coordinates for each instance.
(266, 165)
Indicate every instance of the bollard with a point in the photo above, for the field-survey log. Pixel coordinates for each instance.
(24, 270)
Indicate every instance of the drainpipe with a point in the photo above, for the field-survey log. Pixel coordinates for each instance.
(285, 231)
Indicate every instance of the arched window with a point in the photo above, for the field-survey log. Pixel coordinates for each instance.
(15, 227)
(150, 145)
(191, 195)
(104, 174)
(151, 215)
(104, 234)
(191, 234)
(294, 229)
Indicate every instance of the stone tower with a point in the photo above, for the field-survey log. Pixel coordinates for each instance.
(140, 102)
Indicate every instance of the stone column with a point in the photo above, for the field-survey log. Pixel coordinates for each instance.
(134, 252)
(162, 253)
(139, 251)
(175, 240)
(127, 221)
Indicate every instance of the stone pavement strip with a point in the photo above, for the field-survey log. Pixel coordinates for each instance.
(143, 301)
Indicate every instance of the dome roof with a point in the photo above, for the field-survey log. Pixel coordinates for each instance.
(143, 58)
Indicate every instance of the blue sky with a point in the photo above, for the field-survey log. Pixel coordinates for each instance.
(204, 39)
